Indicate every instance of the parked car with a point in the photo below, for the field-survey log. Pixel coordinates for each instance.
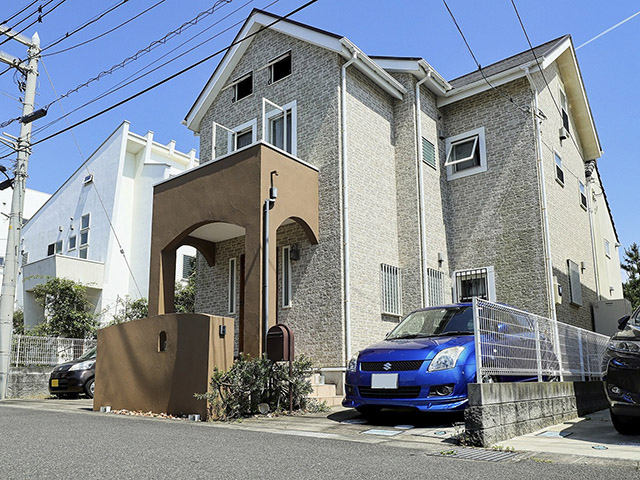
(622, 375)
(427, 361)
(69, 379)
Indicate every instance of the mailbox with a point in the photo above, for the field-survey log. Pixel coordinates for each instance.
(280, 343)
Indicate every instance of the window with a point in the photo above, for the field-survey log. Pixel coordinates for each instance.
(232, 285)
(54, 248)
(162, 341)
(188, 266)
(59, 246)
(575, 286)
(466, 154)
(242, 135)
(84, 221)
(84, 252)
(72, 243)
(276, 128)
(390, 283)
(87, 179)
(428, 153)
(435, 284)
(1, 261)
(280, 68)
(243, 87)
(286, 277)
(479, 282)
(84, 238)
(583, 195)
(559, 170)
(607, 248)
(564, 109)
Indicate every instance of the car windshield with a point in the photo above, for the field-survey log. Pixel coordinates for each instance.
(89, 354)
(435, 322)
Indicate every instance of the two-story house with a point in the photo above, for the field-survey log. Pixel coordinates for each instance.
(396, 189)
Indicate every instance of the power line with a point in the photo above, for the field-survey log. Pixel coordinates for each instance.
(523, 109)
(104, 209)
(103, 33)
(171, 77)
(19, 12)
(38, 20)
(37, 10)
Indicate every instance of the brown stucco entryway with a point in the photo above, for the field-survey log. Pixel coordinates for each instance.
(227, 196)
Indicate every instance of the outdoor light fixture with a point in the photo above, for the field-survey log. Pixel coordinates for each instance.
(294, 252)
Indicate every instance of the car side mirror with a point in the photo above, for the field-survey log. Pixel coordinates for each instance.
(623, 322)
(503, 328)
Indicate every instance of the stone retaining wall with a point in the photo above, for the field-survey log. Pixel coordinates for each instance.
(499, 411)
(26, 382)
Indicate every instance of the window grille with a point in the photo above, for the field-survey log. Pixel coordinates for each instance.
(472, 283)
(390, 282)
(428, 153)
(435, 283)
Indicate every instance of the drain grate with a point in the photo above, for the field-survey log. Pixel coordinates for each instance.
(480, 454)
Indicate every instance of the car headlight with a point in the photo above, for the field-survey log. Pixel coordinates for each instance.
(445, 359)
(352, 366)
(82, 365)
(624, 346)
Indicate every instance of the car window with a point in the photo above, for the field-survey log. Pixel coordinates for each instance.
(89, 354)
(436, 321)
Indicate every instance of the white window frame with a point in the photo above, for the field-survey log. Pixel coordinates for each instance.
(607, 248)
(274, 113)
(270, 65)
(232, 134)
(58, 246)
(83, 249)
(87, 215)
(557, 163)
(234, 86)
(232, 302)
(391, 284)
(583, 194)
(435, 282)
(75, 243)
(491, 282)
(287, 277)
(480, 144)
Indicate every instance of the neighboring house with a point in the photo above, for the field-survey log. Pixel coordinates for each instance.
(426, 191)
(96, 228)
(33, 200)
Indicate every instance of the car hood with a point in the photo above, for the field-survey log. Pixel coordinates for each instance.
(412, 349)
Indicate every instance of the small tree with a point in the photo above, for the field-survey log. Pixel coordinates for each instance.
(130, 310)
(66, 309)
(185, 295)
(18, 322)
(631, 265)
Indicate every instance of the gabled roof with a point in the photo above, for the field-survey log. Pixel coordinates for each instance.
(260, 19)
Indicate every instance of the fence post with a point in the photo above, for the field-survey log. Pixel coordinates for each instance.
(476, 339)
(18, 350)
(581, 354)
(536, 325)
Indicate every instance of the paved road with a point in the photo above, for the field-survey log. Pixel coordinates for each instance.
(68, 440)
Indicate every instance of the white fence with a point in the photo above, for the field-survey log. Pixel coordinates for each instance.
(27, 350)
(511, 342)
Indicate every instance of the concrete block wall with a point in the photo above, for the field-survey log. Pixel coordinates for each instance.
(499, 411)
(28, 382)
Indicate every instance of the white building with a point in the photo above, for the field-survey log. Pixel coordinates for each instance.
(33, 200)
(96, 228)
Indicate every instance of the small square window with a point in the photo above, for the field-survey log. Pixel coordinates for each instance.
(479, 282)
(244, 138)
(280, 68)
(72, 242)
(466, 154)
(84, 252)
(243, 87)
(559, 170)
(84, 238)
(59, 246)
(87, 179)
(84, 222)
(51, 249)
(583, 195)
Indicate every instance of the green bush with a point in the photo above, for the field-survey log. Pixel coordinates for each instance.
(252, 381)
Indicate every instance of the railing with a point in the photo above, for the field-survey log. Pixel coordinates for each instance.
(26, 350)
(511, 342)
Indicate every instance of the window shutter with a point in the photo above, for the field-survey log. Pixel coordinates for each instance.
(428, 153)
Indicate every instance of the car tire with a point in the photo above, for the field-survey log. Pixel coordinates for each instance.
(368, 410)
(89, 387)
(623, 424)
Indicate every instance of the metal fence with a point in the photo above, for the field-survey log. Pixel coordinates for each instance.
(512, 342)
(26, 350)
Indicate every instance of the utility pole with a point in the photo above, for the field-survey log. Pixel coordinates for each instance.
(22, 145)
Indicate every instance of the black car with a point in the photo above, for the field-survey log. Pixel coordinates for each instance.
(77, 376)
(622, 377)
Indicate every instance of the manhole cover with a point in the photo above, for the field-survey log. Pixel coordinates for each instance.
(554, 434)
(354, 421)
(404, 427)
(384, 433)
(480, 454)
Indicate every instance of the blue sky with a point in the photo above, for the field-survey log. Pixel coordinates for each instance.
(610, 66)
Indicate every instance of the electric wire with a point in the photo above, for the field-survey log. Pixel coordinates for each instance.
(18, 12)
(171, 77)
(97, 191)
(38, 20)
(37, 10)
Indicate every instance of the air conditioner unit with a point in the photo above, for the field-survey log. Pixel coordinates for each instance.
(564, 134)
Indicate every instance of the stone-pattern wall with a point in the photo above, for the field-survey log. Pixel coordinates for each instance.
(28, 382)
(494, 217)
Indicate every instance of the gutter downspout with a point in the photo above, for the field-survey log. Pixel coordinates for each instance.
(345, 208)
(545, 217)
(590, 182)
(423, 229)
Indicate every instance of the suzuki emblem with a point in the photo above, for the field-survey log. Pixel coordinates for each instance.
(387, 366)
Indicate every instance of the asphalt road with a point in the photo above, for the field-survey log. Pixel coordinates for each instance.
(38, 443)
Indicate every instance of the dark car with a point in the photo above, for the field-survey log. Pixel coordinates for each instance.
(69, 379)
(622, 376)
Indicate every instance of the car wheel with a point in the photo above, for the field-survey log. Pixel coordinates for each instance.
(623, 424)
(368, 410)
(90, 387)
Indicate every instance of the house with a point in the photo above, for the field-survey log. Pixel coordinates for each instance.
(396, 189)
(96, 228)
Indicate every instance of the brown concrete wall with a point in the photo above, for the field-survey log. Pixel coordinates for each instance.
(132, 374)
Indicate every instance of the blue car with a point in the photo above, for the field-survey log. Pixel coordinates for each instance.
(425, 363)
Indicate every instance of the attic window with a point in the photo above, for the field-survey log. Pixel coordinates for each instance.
(280, 68)
(87, 179)
(565, 109)
(243, 87)
(466, 154)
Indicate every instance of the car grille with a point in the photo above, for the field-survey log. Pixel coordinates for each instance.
(400, 392)
(399, 366)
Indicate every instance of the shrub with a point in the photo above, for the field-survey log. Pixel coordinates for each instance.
(252, 381)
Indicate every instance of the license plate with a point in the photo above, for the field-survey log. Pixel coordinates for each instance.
(384, 380)
(54, 383)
